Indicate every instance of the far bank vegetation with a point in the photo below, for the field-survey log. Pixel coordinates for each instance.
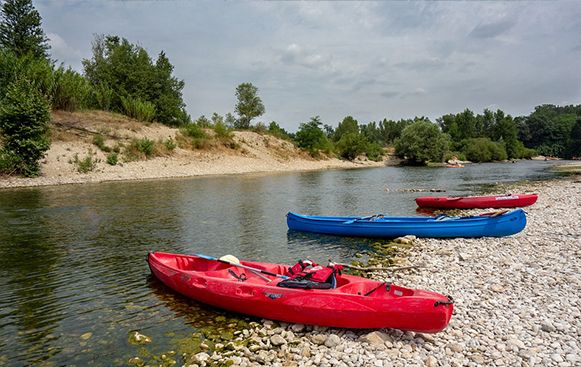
(123, 84)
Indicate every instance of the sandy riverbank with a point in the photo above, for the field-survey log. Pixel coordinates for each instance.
(517, 302)
(73, 135)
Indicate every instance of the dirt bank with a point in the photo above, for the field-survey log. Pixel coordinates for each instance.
(74, 137)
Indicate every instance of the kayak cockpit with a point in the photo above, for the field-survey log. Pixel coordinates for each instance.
(198, 264)
(345, 284)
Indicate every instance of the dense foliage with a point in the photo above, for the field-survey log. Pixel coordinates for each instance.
(71, 91)
(483, 150)
(275, 130)
(124, 72)
(249, 105)
(24, 117)
(311, 137)
(351, 141)
(386, 132)
(420, 142)
(550, 130)
(21, 30)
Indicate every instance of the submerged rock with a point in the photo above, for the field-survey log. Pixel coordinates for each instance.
(135, 338)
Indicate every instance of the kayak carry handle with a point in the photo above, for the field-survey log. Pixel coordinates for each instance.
(450, 301)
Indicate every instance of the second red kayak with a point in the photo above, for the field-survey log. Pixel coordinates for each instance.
(481, 202)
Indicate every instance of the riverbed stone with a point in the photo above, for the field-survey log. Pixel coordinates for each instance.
(547, 326)
(297, 328)
(201, 357)
(277, 340)
(319, 339)
(431, 361)
(455, 347)
(136, 338)
(332, 341)
(375, 338)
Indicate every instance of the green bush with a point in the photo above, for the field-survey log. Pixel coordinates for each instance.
(203, 122)
(350, 145)
(8, 162)
(129, 71)
(170, 144)
(38, 72)
(146, 146)
(193, 131)
(138, 109)
(422, 141)
(275, 130)
(72, 91)
(24, 117)
(140, 149)
(483, 150)
(311, 137)
(86, 164)
(112, 158)
(374, 152)
(99, 141)
(523, 152)
(222, 131)
(102, 97)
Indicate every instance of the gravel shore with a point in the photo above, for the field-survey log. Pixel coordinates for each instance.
(517, 303)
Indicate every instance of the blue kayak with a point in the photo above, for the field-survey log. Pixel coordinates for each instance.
(496, 224)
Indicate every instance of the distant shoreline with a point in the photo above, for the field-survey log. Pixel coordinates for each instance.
(171, 168)
(211, 165)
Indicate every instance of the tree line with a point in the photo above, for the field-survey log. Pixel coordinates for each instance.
(122, 77)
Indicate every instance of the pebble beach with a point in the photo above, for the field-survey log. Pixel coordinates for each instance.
(517, 302)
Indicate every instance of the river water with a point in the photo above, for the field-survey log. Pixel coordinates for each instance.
(73, 279)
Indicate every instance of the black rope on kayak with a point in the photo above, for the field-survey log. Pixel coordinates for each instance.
(449, 302)
(241, 278)
(387, 286)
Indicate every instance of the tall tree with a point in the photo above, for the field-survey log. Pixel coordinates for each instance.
(421, 142)
(24, 117)
(249, 104)
(348, 126)
(21, 29)
(311, 137)
(128, 71)
(575, 142)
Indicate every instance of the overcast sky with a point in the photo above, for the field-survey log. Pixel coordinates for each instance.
(371, 60)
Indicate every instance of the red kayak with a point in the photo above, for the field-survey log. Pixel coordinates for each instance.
(355, 302)
(471, 202)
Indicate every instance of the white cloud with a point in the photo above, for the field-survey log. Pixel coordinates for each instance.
(60, 50)
(367, 59)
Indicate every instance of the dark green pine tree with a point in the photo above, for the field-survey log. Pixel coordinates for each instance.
(21, 29)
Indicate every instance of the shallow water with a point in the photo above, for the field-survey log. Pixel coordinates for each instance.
(73, 277)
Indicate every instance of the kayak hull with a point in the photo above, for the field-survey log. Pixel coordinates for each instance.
(346, 306)
(390, 227)
(477, 202)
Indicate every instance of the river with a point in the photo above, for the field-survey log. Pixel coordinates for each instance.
(73, 279)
